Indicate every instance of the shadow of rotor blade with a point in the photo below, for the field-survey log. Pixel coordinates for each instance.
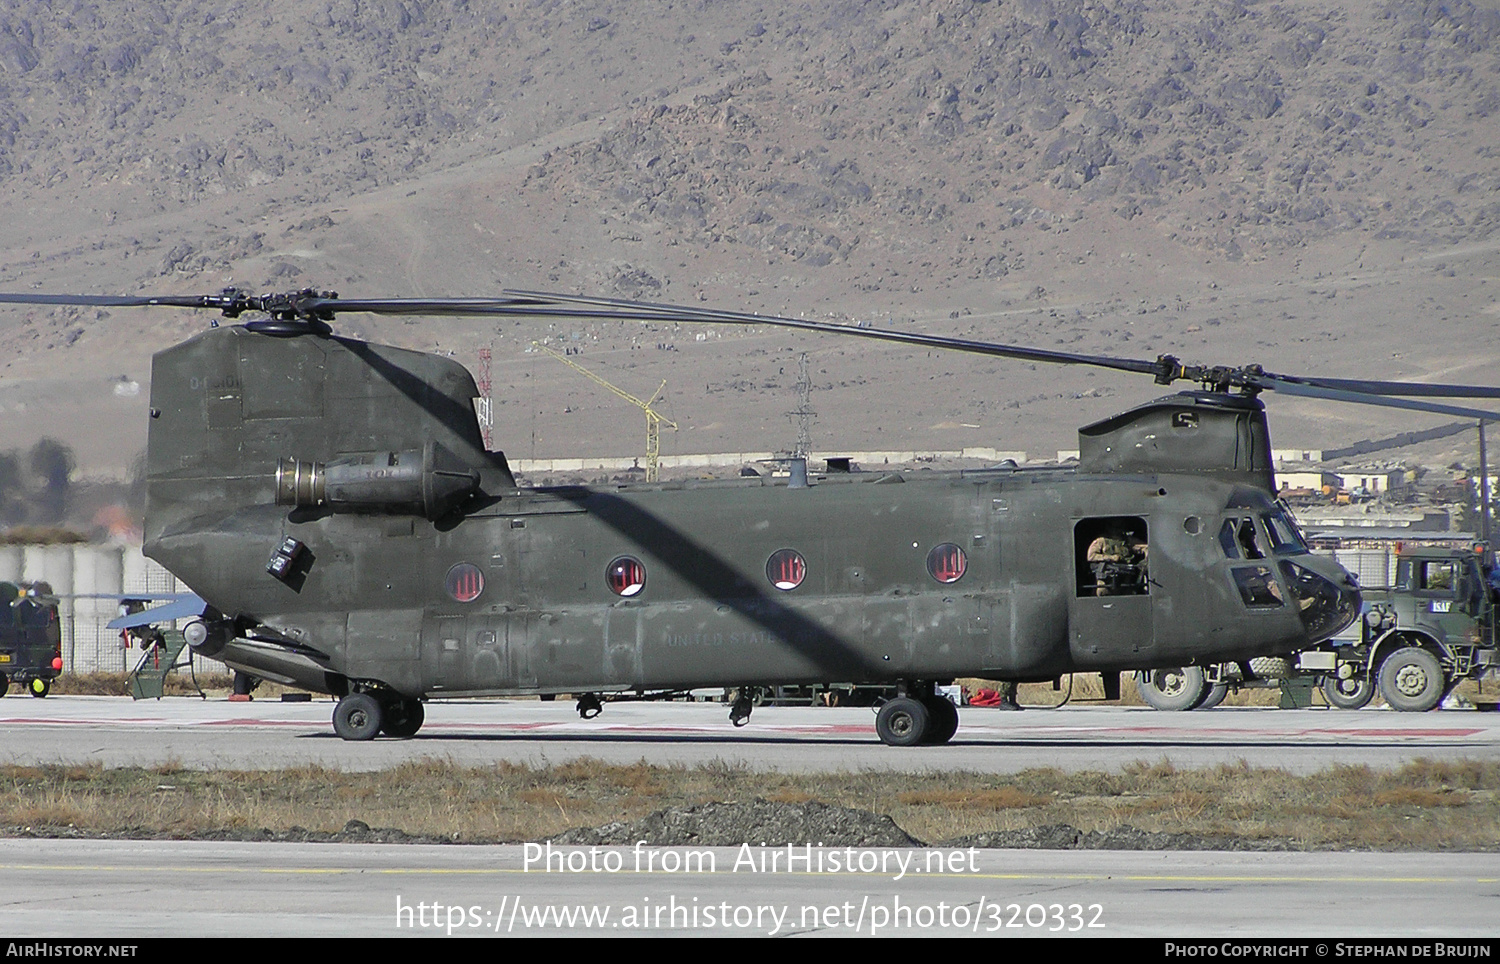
(459, 419)
(712, 577)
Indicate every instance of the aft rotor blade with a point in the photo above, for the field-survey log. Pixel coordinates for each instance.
(538, 304)
(1277, 384)
(117, 301)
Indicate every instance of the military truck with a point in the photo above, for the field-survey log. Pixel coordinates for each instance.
(1418, 638)
(30, 638)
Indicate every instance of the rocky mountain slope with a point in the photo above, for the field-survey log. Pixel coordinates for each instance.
(1312, 185)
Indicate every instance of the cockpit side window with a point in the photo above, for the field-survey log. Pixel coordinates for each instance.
(1241, 539)
(1257, 586)
(1228, 540)
(1249, 538)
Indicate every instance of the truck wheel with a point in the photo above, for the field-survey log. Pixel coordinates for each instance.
(40, 687)
(901, 722)
(1353, 693)
(1177, 688)
(4, 684)
(1412, 680)
(357, 717)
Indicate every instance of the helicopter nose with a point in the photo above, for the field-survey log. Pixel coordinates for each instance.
(1327, 596)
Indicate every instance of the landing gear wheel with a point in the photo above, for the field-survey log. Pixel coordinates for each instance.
(403, 718)
(357, 717)
(942, 720)
(901, 722)
(40, 687)
(589, 706)
(1213, 696)
(1177, 688)
(1353, 693)
(1412, 680)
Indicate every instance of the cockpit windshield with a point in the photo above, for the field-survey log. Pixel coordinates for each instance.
(1286, 539)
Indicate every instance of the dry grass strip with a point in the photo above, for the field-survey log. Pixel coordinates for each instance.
(1422, 806)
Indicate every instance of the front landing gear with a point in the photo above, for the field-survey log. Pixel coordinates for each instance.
(901, 722)
(942, 720)
(925, 719)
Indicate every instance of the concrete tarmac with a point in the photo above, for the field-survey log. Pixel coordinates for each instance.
(118, 890)
(267, 733)
(82, 889)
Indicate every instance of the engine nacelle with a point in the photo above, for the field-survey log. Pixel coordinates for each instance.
(431, 481)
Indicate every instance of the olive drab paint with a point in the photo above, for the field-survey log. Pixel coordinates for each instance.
(509, 590)
(332, 503)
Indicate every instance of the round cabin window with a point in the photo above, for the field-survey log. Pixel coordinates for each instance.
(626, 576)
(947, 563)
(786, 569)
(465, 582)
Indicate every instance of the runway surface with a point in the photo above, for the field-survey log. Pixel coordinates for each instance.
(193, 732)
(119, 889)
(122, 889)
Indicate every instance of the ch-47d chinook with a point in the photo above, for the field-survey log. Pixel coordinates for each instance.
(331, 502)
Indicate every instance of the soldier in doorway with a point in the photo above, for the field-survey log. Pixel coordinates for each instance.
(1118, 560)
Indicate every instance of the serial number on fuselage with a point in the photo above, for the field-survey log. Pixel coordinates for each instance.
(216, 383)
(723, 639)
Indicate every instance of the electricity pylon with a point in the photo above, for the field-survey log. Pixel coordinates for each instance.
(654, 419)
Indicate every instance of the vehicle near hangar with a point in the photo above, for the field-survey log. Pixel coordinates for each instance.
(30, 638)
(331, 502)
(1418, 637)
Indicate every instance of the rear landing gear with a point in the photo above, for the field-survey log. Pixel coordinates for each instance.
(402, 718)
(358, 716)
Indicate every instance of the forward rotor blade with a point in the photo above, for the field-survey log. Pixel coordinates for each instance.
(1413, 389)
(1275, 383)
(540, 303)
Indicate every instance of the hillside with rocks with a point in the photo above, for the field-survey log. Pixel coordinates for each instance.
(1310, 185)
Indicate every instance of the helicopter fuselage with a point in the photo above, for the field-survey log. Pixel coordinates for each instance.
(679, 585)
(332, 503)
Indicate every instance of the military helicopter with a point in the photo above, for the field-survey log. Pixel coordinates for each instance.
(332, 504)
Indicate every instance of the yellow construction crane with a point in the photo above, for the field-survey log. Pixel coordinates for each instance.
(654, 419)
